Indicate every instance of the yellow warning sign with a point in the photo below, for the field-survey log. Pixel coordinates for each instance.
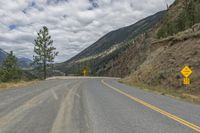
(85, 71)
(186, 81)
(186, 71)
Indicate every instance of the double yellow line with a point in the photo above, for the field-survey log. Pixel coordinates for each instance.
(171, 116)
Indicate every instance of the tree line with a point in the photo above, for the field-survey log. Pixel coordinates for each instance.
(45, 54)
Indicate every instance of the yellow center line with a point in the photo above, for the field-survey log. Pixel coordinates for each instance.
(171, 116)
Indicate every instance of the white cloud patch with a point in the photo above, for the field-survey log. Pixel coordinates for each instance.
(73, 24)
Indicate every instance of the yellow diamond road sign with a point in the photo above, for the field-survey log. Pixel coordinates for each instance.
(186, 71)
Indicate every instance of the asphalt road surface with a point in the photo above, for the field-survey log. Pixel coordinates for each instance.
(93, 105)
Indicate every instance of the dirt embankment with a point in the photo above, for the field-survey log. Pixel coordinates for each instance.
(156, 64)
(166, 59)
(17, 84)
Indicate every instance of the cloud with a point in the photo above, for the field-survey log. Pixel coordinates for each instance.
(73, 24)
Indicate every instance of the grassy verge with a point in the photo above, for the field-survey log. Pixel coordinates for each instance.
(16, 84)
(182, 93)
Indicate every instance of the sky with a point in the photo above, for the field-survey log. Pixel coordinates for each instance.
(73, 24)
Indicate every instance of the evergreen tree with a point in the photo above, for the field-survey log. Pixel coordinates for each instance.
(189, 16)
(181, 21)
(191, 13)
(44, 50)
(197, 13)
(10, 70)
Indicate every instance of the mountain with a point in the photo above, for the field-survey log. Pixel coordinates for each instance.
(22, 62)
(3, 55)
(124, 34)
(107, 47)
(153, 56)
(156, 58)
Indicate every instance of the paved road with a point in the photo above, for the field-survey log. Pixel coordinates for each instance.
(93, 105)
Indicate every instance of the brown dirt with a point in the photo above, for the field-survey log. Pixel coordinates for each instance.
(16, 84)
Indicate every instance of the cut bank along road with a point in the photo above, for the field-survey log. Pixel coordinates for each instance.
(93, 105)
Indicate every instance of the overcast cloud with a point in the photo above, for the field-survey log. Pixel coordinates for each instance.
(73, 24)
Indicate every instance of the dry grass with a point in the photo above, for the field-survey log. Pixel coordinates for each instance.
(181, 93)
(16, 84)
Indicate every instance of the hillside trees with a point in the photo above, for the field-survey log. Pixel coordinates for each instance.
(9, 70)
(44, 50)
(186, 19)
(190, 14)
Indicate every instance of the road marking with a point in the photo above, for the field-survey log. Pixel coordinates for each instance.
(54, 94)
(76, 95)
(171, 116)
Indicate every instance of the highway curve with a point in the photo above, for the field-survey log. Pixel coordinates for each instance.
(93, 105)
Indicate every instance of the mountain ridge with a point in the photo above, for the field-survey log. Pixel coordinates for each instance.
(109, 46)
(125, 33)
(146, 58)
(22, 61)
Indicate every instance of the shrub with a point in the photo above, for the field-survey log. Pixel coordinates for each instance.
(9, 70)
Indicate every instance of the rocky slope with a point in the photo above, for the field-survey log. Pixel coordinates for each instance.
(158, 62)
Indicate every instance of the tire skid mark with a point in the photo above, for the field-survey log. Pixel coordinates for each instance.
(54, 94)
(19, 113)
(64, 121)
(11, 99)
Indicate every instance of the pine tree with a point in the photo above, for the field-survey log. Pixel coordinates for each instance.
(44, 50)
(197, 13)
(10, 70)
(181, 21)
(190, 13)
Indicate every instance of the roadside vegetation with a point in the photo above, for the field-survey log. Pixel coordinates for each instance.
(11, 75)
(16, 84)
(9, 71)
